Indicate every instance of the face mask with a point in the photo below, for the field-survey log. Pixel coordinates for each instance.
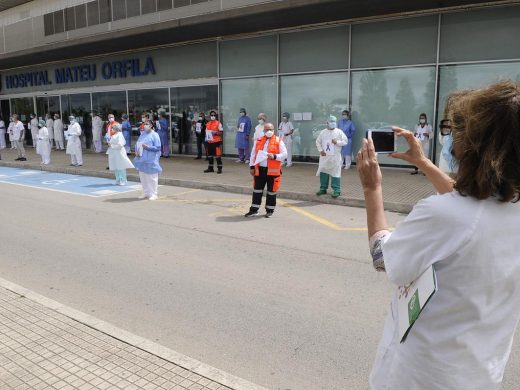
(285, 119)
(242, 114)
(200, 118)
(332, 125)
(261, 121)
(72, 121)
(110, 119)
(147, 128)
(345, 116)
(213, 117)
(422, 121)
(269, 133)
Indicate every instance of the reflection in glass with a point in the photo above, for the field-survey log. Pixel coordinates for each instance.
(23, 107)
(187, 103)
(391, 97)
(457, 77)
(255, 95)
(310, 99)
(105, 103)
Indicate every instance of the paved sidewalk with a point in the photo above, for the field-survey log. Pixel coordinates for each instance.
(400, 189)
(41, 348)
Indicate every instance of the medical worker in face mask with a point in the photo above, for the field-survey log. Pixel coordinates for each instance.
(146, 161)
(285, 132)
(97, 130)
(242, 137)
(74, 142)
(43, 146)
(423, 132)
(127, 133)
(447, 162)
(58, 132)
(266, 167)
(214, 136)
(118, 161)
(164, 135)
(200, 133)
(329, 144)
(259, 129)
(49, 122)
(347, 126)
(34, 130)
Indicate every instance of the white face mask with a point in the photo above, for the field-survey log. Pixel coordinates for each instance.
(242, 114)
(269, 133)
(72, 121)
(110, 119)
(200, 118)
(213, 117)
(331, 125)
(261, 121)
(285, 119)
(147, 128)
(345, 116)
(422, 121)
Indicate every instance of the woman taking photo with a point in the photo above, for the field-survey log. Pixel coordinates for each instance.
(468, 233)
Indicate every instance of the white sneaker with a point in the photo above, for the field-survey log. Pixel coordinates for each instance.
(123, 183)
(153, 197)
(289, 165)
(142, 197)
(247, 161)
(346, 167)
(238, 161)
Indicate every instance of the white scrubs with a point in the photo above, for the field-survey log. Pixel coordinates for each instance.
(74, 144)
(424, 134)
(58, 134)
(462, 339)
(284, 130)
(43, 147)
(331, 164)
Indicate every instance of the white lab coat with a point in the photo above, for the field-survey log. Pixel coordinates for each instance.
(74, 141)
(10, 131)
(97, 128)
(443, 164)
(259, 132)
(50, 127)
(43, 146)
(331, 164)
(424, 134)
(2, 134)
(34, 131)
(117, 158)
(462, 338)
(58, 130)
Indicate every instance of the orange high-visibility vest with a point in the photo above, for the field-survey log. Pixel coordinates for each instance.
(274, 167)
(213, 127)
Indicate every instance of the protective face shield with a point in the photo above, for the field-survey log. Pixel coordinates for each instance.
(269, 133)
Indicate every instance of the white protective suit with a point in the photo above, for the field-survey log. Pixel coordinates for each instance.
(74, 144)
(34, 131)
(10, 132)
(49, 123)
(43, 146)
(117, 158)
(97, 128)
(331, 164)
(424, 134)
(58, 134)
(259, 133)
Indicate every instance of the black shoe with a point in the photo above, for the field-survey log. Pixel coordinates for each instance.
(251, 213)
(219, 170)
(209, 170)
(17, 159)
(22, 159)
(108, 168)
(269, 214)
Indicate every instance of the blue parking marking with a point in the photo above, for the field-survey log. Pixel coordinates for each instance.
(72, 184)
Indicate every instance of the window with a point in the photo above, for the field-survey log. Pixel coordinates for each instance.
(93, 13)
(133, 8)
(48, 24)
(163, 5)
(59, 22)
(105, 11)
(148, 6)
(70, 23)
(119, 9)
(180, 3)
(81, 16)
(105, 103)
(248, 57)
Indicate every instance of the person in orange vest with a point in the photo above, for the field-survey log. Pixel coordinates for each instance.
(214, 131)
(266, 167)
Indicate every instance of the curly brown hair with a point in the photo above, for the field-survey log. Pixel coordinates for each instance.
(486, 141)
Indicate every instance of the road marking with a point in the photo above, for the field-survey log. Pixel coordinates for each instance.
(318, 219)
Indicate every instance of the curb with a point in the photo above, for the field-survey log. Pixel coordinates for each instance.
(193, 365)
(292, 195)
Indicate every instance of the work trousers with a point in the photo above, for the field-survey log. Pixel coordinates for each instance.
(200, 141)
(59, 144)
(335, 183)
(288, 141)
(150, 183)
(19, 146)
(2, 139)
(260, 182)
(98, 147)
(120, 176)
(244, 153)
(215, 150)
(76, 159)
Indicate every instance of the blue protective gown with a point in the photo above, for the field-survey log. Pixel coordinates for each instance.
(127, 133)
(163, 131)
(149, 161)
(347, 126)
(242, 138)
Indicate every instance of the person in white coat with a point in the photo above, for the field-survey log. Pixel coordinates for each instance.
(424, 133)
(10, 132)
(259, 129)
(118, 161)
(74, 142)
(49, 123)
(285, 132)
(43, 147)
(97, 130)
(329, 144)
(58, 132)
(33, 124)
(2, 134)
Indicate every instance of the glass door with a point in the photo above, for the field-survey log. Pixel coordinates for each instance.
(24, 107)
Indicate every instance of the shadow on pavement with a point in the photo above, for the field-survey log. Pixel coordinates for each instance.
(124, 200)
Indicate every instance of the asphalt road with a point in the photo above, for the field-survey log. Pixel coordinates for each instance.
(290, 302)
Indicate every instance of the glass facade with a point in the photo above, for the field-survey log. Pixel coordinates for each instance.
(386, 72)
(79, 106)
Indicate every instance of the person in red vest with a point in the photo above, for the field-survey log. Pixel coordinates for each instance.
(214, 131)
(266, 167)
